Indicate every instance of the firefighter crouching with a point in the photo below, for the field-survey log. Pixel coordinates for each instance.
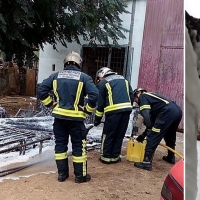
(70, 86)
(161, 118)
(115, 101)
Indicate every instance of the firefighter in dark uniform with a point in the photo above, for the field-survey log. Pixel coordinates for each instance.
(70, 86)
(161, 118)
(115, 101)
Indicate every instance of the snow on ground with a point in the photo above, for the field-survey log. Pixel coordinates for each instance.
(33, 123)
(39, 124)
(14, 157)
(44, 124)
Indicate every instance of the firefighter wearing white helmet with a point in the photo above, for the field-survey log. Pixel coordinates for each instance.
(70, 86)
(161, 118)
(73, 58)
(115, 101)
(104, 71)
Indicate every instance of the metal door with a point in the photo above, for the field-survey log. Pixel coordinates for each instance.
(162, 58)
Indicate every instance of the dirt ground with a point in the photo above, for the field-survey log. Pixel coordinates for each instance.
(13, 104)
(117, 181)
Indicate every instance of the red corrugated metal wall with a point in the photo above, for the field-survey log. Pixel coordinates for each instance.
(162, 58)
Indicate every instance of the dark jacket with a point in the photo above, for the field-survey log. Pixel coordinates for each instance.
(115, 95)
(151, 105)
(69, 86)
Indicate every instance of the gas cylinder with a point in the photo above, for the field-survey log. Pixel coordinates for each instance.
(135, 150)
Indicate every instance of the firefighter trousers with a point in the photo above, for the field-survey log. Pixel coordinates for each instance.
(114, 130)
(76, 130)
(165, 126)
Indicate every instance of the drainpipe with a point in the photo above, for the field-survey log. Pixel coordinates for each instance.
(130, 51)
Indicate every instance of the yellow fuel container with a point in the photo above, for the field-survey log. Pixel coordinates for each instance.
(135, 150)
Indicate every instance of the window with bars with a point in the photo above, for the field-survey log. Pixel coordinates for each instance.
(101, 56)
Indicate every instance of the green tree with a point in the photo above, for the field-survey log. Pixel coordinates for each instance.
(26, 25)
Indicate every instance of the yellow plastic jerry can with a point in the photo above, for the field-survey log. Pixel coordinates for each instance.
(135, 150)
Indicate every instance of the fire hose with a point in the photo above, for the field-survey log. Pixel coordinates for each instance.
(175, 152)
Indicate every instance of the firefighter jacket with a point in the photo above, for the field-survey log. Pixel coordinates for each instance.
(69, 86)
(151, 105)
(115, 95)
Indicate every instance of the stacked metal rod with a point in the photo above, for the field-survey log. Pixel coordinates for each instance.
(6, 172)
(15, 139)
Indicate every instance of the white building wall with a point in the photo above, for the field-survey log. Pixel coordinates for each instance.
(49, 56)
(137, 38)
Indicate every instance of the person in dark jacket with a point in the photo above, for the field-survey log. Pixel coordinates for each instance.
(161, 118)
(70, 86)
(115, 101)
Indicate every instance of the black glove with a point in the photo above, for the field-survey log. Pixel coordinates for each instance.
(146, 132)
(96, 122)
(140, 138)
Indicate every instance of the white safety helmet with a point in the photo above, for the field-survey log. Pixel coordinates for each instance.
(103, 72)
(73, 57)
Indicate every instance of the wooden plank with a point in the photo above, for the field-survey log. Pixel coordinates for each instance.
(31, 82)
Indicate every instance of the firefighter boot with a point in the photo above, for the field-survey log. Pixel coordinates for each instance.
(79, 168)
(146, 163)
(170, 158)
(81, 179)
(63, 169)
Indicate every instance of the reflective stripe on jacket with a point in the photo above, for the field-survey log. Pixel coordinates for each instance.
(69, 86)
(115, 95)
(151, 105)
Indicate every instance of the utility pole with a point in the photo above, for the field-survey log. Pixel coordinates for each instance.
(130, 48)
